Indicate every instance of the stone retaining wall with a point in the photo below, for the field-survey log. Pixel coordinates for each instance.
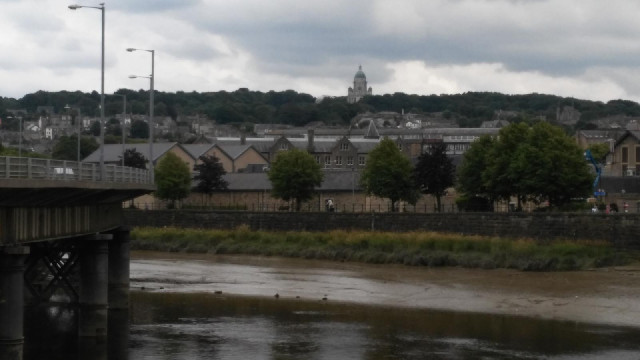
(620, 229)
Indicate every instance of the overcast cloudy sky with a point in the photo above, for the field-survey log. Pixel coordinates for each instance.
(587, 49)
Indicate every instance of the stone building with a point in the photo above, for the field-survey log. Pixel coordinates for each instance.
(359, 89)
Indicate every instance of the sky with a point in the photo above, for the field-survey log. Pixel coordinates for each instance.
(587, 49)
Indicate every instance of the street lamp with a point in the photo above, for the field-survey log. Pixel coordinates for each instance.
(124, 113)
(101, 8)
(150, 77)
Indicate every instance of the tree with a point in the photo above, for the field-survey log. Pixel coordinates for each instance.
(139, 129)
(133, 158)
(389, 174)
(173, 179)
(599, 151)
(67, 147)
(113, 128)
(552, 166)
(94, 128)
(474, 162)
(293, 175)
(535, 163)
(434, 172)
(501, 178)
(209, 175)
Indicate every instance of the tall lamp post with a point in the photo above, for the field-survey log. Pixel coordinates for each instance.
(151, 168)
(101, 8)
(124, 125)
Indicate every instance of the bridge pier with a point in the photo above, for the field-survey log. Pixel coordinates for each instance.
(118, 321)
(119, 250)
(93, 286)
(12, 301)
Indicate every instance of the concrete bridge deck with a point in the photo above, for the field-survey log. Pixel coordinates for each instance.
(44, 199)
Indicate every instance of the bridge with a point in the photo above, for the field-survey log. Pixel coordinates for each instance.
(61, 237)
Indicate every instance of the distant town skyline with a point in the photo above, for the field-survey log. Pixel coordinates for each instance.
(585, 49)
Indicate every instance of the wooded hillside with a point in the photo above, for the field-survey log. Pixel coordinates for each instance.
(289, 107)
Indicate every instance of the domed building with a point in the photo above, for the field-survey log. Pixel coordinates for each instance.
(359, 89)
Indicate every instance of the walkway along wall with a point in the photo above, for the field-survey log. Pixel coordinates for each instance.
(619, 229)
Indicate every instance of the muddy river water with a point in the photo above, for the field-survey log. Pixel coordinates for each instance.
(225, 307)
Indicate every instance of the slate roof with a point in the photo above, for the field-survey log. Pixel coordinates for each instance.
(234, 151)
(365, 146)
(320, 145)
(196, 150)
(260, 144)
(634, 133)
(601, 134)
(113, 152)
(372, 130)
(317, 132)
(345, 180)
(337, 180)
(460, 131)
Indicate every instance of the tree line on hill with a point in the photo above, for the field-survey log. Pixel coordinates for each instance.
(243, 106)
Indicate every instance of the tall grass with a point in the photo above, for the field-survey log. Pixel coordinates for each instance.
(412, 248)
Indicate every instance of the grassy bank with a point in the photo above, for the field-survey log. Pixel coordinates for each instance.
(414, 248)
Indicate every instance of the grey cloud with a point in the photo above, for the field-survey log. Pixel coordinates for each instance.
(194, 50)
(567, 46)
(152, 6)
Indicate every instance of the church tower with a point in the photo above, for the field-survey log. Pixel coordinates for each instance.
(359, 89)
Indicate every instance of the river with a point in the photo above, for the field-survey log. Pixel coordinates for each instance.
(225, 307)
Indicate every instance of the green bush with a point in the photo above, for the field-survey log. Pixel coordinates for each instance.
(413, 248)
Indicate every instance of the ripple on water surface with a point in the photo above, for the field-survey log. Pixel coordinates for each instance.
(205, 326)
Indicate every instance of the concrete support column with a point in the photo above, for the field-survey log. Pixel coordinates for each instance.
(12, 301)
(118, 344)
(119, 270)
(93, 286)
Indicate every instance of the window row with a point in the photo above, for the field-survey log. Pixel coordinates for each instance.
(338, 160)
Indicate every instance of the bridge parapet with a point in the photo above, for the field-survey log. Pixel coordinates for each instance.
(48, 169)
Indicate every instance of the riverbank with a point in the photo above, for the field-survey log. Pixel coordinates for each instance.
(428, 249)
(603, 296)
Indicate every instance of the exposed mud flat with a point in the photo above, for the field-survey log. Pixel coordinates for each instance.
(603, 296)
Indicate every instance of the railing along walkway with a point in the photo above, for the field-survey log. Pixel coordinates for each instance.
(48, 169)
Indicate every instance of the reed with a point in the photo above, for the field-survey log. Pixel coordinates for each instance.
(411, 248)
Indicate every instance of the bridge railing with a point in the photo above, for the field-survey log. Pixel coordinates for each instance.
(48, 169)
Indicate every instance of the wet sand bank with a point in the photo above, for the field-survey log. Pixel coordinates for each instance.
(604, 296)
